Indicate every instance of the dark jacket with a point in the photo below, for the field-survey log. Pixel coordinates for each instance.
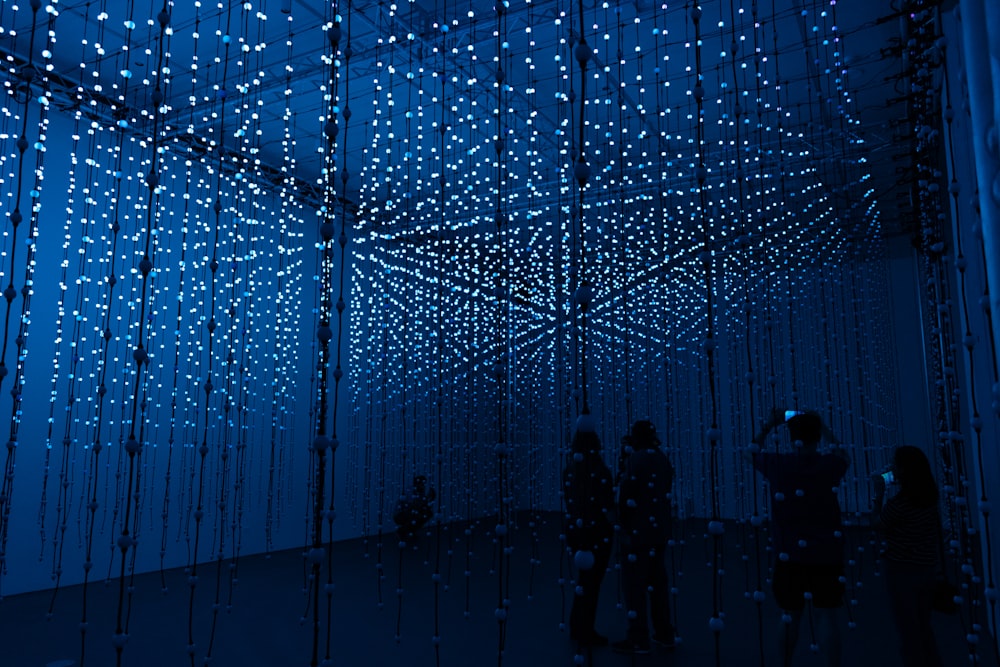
(644, 497)
(590, 499)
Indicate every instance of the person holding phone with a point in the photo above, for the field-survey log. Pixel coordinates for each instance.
(806, 527)
(911, 523)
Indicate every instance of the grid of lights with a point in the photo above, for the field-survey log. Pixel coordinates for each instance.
(501, 158)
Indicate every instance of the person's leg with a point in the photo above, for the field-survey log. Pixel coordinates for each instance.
(827, 590)
(903, 588)
(635, 574)
(602, 555)
(579, 623)
(638, 623)
(910, 589)
(929, 648)
(828, 633)
(576, 611)
(588, 588)
(659, 595)
(788, 593)
(788, 636)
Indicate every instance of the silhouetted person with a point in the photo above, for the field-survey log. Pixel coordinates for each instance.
(913, 542)
(807, 530)
(414, 510)
(589, 495)
(644, 516)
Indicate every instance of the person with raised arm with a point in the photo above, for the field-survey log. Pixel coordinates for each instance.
(808, 541)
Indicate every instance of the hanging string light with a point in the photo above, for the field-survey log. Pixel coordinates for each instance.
(323, 445)
(210, 325)
(535, 444)
(502, 357)
(176, 428)
(442, 126)
(583, 293)
(278, 411)
(133, 446)
(566, 365)
(407, 404)
(713, 434)
(65, 475)
(969, 340)
(744, 233)
(104, 362)
(343, 62)
(924, 59)
(27, 74)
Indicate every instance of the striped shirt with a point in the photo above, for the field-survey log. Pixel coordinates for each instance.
(912, 533)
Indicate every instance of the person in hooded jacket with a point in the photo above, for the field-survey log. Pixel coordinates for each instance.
(644, 515)
(589, 495)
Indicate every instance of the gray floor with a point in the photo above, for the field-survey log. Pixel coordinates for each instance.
(268, 623)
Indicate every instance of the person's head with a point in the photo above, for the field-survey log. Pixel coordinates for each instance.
(585, 442)
(420, 483)
(643, 435)
(806, 428)
(913, 472)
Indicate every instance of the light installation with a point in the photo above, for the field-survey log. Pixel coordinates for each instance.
(426, 240)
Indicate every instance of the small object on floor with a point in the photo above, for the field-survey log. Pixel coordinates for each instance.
(637, 647)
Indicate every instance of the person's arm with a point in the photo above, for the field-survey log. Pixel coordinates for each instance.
(776, 418)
